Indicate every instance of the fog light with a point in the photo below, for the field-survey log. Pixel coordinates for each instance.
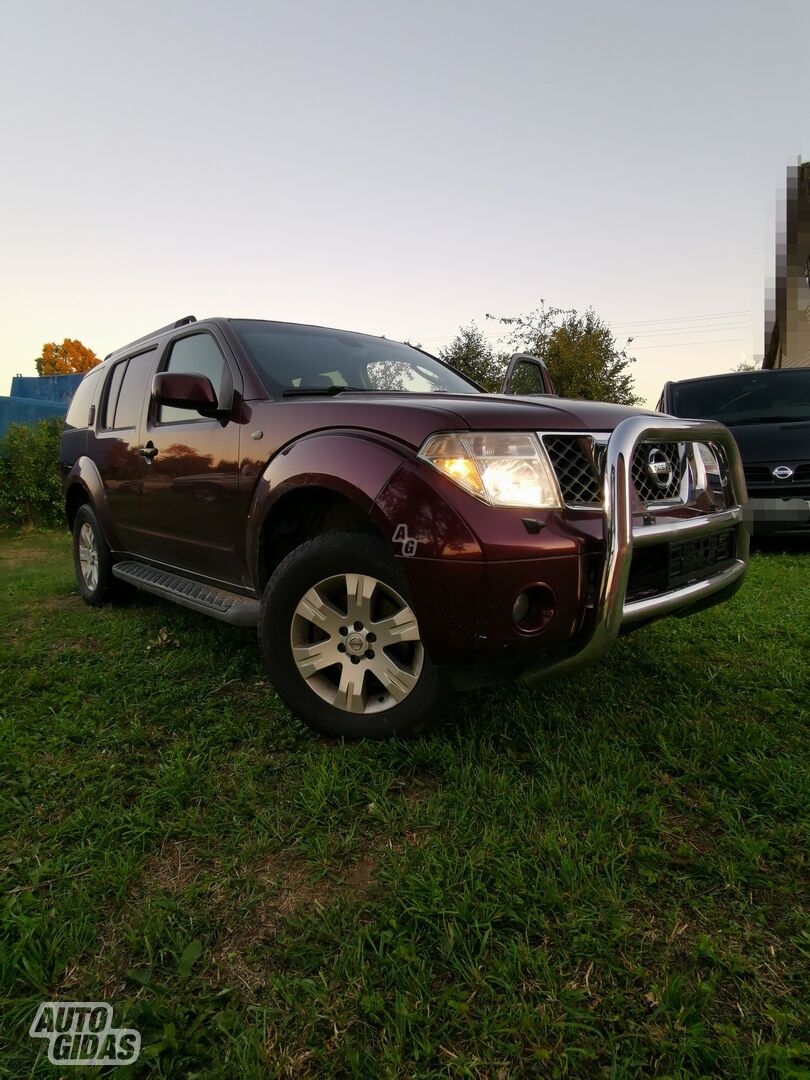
(534, 608)
(520, 608)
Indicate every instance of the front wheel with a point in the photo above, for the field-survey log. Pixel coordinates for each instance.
(93, 561)
(342, 642)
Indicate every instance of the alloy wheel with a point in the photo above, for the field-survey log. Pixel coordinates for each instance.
(88, 556)
(356, 643)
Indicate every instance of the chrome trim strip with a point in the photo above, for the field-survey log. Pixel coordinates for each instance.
(611, 611)
(665, 603)
(686, 528)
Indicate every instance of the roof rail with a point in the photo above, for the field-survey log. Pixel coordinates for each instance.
(155, 333)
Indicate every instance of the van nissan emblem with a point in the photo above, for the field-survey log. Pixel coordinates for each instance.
(659, 467)
(783, 472)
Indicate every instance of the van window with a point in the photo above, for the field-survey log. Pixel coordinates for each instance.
(751, 397)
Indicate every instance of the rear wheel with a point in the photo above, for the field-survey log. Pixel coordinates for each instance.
(342, 642)
(93, 561)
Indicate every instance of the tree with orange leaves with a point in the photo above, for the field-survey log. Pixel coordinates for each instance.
(69, 358)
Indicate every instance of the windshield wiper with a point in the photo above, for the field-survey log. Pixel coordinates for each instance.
(321, 391)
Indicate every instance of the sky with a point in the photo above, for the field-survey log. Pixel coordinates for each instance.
(400, 169)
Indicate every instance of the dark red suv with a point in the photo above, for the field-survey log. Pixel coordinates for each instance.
(391, 529)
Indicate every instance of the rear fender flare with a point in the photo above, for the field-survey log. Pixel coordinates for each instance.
(85, 473)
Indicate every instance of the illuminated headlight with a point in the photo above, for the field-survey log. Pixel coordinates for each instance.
(706, 468)
(502, 468)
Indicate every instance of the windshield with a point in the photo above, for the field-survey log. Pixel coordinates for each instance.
(755, 397)
(289, 357)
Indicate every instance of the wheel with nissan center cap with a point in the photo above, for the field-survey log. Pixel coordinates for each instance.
(342, 642)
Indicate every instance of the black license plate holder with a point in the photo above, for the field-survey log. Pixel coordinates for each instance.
(690, 560)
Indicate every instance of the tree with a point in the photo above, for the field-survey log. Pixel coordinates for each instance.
(471, 353)
(748, 365)
(30, 485)
(583, 358)
(69, 358)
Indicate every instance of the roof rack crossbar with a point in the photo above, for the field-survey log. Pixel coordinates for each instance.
(155, 333)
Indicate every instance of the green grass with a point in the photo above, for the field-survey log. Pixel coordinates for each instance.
(607, 876)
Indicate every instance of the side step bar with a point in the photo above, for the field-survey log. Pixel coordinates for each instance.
(227, 606)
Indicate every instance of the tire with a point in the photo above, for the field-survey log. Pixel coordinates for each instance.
(93, 562)
(325, 614)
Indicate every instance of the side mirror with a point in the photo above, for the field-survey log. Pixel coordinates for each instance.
(527, 376)
(185, 390)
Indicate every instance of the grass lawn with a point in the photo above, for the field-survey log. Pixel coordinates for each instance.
(607, 876)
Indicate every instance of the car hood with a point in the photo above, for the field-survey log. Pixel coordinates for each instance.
(501, 412)
(773, 443)
(412, 417)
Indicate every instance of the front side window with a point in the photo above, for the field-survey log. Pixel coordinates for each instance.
(200, 355)
(292, 357)
(527, 379)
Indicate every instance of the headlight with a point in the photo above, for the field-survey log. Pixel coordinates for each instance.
(707, 473)
(501, 468)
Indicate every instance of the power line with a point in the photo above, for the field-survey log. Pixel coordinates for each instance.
(683, 344)
(668, 327)
(635, 322)
(691, 330)
(681, 318)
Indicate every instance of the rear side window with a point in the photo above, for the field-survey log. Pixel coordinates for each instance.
(126, 389)
(78, 414)
(197, 354)
(111, 396)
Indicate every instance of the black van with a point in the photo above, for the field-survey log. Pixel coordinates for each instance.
(769, 415)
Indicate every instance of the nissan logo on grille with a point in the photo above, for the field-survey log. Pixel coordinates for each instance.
(783, 472)
(659, 467)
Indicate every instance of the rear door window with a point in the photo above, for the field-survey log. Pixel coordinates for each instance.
(111, 395)
(126, 390)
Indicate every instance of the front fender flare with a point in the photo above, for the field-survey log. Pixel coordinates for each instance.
(356, 465)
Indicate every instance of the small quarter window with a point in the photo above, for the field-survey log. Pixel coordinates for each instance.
(78, 414)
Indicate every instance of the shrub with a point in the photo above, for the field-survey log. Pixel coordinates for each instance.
(30, 486)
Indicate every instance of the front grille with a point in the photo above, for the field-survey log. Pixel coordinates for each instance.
(763, 474)
(577, 474)
(649, 488)
(578, 462)
(761, 482)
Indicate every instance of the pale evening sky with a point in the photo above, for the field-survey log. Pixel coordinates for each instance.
(397, 168)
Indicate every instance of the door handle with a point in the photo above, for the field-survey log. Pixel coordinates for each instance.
(149, 451)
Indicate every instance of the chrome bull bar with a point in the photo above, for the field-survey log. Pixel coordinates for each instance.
(612, 609)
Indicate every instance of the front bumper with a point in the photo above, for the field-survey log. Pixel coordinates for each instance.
(612, 611)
